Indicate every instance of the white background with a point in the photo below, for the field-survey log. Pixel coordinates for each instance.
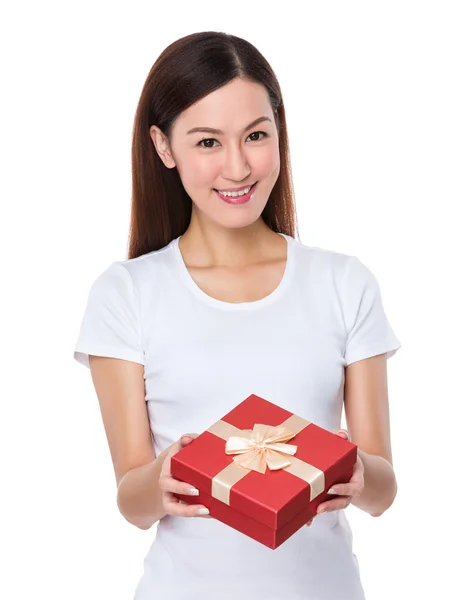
(375, 100)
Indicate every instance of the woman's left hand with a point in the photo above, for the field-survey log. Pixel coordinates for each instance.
(345, 491)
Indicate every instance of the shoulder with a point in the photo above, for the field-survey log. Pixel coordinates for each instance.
(335, 274)
(332, 262)
(136, 271)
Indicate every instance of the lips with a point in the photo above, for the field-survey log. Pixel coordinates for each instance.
(238, 199)
(215, 190)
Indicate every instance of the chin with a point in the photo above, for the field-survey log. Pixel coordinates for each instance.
(239, 221)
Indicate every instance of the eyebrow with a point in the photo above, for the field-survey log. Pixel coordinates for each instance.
(219, 132)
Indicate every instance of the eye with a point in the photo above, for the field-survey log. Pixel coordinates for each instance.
(214, 140)
(257, 133)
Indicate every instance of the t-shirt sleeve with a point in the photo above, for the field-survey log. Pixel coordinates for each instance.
(368, 330)
(111, 324)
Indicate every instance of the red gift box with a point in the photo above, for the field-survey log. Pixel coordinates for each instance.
(267, 503)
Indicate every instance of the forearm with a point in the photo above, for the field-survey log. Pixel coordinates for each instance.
(380, 485)
(139, 497)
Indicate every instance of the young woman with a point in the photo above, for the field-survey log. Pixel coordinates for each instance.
(216, 301)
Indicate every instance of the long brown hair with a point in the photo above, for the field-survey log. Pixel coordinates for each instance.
(186, 71)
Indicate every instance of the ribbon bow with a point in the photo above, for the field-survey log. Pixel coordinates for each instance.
(262, 447)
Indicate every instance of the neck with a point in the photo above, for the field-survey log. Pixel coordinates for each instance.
(214, 246)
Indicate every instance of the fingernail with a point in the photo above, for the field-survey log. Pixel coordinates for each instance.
(194, 492)
(203, 511)
(331, 491)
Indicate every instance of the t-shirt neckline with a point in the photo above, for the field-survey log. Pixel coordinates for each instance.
(274, 295)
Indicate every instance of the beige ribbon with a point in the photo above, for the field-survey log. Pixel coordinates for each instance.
(260, 448)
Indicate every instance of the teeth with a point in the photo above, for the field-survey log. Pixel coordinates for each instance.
(233, 194)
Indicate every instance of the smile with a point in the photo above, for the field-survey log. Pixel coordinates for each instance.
(240, 197)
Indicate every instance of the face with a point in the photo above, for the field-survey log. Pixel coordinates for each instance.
(239, 154)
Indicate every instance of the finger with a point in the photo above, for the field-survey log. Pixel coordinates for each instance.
(343, 433)
(200, 516)
(168, 483)
(351, 488)
(187, 438)
(180, 509)
(337, 504)
(309, 522)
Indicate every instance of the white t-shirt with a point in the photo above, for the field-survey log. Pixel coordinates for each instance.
(202, 357)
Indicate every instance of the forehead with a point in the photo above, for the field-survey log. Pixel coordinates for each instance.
(229, 108)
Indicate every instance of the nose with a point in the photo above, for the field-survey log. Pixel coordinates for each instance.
(235, 166)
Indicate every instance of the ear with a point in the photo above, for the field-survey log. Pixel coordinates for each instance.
(162, 146)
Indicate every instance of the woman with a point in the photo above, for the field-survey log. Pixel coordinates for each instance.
(218, 300)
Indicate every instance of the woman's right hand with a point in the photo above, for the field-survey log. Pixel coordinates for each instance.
(169, 486)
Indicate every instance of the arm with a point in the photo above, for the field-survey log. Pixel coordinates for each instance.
(368, 422)
(139, 496)
(119, 385)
